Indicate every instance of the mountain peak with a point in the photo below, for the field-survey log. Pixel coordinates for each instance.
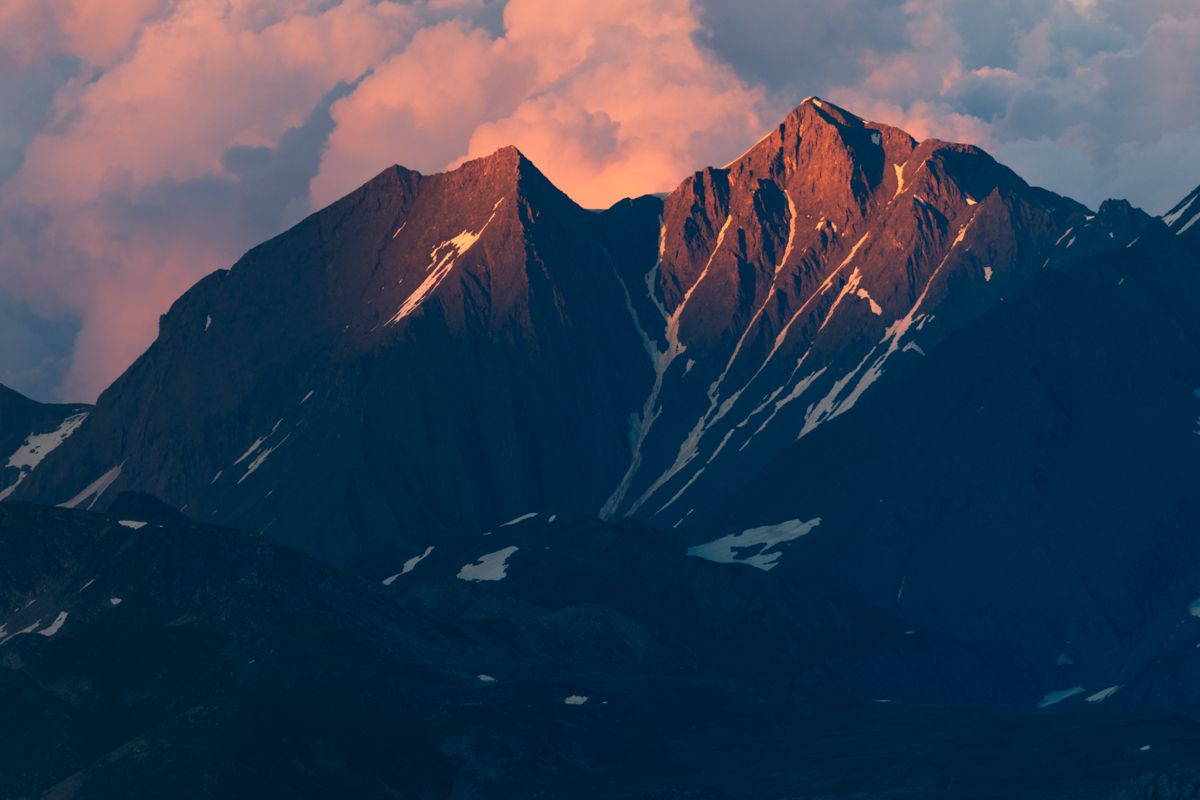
(827, 111)
(505, 157)
(825, 137)
(504, 172)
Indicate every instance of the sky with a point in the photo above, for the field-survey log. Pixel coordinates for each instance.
(146, 143)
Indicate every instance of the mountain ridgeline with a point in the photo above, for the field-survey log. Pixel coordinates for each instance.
(436, 354)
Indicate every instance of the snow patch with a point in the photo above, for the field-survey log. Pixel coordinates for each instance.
(39, 445)
(262, 457)
(26, 629)
(791, 240)
(899, 168)
(1103, 694)
(575, 699)
(36, 447)
(1057, 697)
(94, 489)
(850, 287)
(1185, 228)
(485, 678)
(136, 524)
(251, 449)
(520, 519)
(729, 549)
(6, 493)
(56, 626)
(1194, 607)
(987, 274)
(409, 566)
(1175, 216)
(115, 601)
(489, 567)
(441, 260)
(308, 396)
(876, 309)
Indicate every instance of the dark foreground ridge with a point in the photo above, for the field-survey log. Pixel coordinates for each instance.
(170, 659)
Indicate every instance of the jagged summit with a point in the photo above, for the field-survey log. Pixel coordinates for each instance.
(506, 168)
(817, 130)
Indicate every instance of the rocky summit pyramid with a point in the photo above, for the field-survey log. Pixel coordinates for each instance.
(437, 354)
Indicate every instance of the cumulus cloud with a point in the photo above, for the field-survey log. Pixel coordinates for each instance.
(609, 99)
(144, 143)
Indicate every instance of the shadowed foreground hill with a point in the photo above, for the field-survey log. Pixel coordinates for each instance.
(146, 656)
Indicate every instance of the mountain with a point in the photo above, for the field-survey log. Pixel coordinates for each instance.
(262, 672)
(830, 256)
(858, 467)
(432, 355)
(29, 431)
(1028, 491)
(426, 353)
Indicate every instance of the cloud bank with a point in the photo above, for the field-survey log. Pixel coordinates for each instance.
(144, 143)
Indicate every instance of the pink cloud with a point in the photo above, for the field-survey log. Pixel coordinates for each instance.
(195, 85)
(609, 99)
(420, 106)
(186, 87)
